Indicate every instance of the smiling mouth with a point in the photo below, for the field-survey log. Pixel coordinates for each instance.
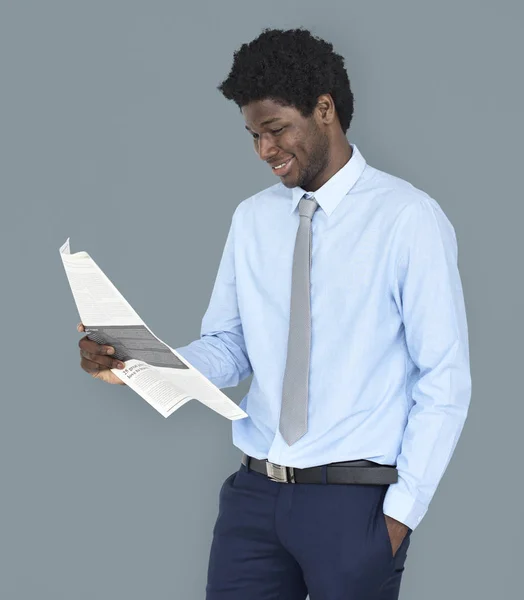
(284, 168)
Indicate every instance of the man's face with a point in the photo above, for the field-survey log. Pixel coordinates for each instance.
(281, 134)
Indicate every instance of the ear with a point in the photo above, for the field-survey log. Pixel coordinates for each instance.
(326, 109)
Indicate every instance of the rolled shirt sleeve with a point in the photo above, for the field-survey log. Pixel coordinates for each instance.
(431, 303)
(220, 354)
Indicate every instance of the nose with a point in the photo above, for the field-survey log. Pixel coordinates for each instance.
(266, 147)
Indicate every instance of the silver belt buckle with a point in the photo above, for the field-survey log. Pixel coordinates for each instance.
(280, 473)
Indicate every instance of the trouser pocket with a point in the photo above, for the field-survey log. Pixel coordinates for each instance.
(400, 555)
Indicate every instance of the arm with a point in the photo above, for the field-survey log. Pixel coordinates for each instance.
(220, 354)
(430, 300)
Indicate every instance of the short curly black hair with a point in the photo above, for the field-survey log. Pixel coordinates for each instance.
(292, 67)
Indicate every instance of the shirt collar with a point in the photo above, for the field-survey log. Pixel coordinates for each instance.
(333, 191)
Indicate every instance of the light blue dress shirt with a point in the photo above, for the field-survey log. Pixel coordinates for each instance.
(389, 369)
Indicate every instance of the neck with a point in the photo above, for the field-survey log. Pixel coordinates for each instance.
(339, 156)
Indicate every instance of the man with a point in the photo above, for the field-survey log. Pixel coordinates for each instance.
(338, 289)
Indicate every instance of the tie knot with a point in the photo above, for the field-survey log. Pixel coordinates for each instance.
(307, 207)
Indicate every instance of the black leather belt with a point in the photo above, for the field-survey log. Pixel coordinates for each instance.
(351, 471)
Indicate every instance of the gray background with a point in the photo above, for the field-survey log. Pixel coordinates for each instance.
(112, 132)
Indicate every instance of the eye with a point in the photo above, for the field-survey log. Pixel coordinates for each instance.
(273, 131)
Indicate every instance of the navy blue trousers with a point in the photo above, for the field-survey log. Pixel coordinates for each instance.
(281, 541)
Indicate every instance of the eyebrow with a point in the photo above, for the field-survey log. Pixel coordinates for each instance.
(266, 122)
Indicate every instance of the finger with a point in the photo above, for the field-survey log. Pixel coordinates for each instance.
(80, 327)
(93, 348)
(92, 367)
(104, 362)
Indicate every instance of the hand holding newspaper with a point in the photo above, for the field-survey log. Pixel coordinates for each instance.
(153, 369)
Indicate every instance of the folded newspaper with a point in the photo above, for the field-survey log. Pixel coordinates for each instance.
(153, 369)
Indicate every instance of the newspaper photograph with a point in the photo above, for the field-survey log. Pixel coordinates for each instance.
(153, 369)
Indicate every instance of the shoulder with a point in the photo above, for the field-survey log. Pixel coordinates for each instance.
(266, 198)
(411, 206)
(395, 191)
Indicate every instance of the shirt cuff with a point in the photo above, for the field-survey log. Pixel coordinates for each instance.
(403, 507)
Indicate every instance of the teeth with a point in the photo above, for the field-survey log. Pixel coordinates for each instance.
(280, 166)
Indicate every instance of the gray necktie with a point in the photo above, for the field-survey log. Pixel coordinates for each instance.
(293, 414)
